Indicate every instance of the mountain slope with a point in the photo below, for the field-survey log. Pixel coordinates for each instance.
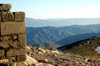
(83, 47)
(74, 38)
(82, 29)
(37, 35)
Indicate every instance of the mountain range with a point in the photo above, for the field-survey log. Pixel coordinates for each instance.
(30, 22)
(38, 35)
(75, 38)
(59, 35)
(82, 29)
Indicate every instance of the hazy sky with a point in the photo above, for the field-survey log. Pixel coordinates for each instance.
(44, 9)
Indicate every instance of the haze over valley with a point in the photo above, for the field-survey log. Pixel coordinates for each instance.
(60, 31)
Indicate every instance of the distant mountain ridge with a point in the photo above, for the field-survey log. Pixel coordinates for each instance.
(38, 35)
(82, 29)
(30, 22)
(75, 38)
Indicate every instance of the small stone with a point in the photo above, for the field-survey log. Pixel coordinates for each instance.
(7, 16)
(12, 59)
(21, 58)
(2, 53)
(14, 37)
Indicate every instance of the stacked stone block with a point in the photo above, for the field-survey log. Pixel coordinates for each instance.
(12, 37)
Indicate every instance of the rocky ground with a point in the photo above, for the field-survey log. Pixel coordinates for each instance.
(37, 56)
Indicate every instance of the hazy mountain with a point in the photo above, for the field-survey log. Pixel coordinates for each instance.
(60, 22)
(82, 29)
(37, 35)
(74, 38)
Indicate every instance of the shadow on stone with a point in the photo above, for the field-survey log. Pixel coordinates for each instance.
(3, 65)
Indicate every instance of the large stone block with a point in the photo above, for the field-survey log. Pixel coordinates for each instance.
(12, 28)
(5, 7)
(22, 40)
(2, 53)
(7, 16)
(15, 52)
(19, 16)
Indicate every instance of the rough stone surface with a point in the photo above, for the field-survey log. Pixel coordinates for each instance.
(5, 7)
(19, 16)
(2, 53)
(5, 44)
(14, 37)
(21, 58)
(4, 61)
(20, 64)
(12, 28)
(0, 16)
(10, 44)
(29, 60)
(15, 44)
(15, 52)
(22, 39)
(7, 16)
(12, 59)
(4, 38)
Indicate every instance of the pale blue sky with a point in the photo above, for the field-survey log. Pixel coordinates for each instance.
(44, 9)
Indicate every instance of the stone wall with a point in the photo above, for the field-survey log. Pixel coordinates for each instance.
(12, 37)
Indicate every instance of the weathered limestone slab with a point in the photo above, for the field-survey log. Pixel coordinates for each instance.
(22, 40)
(2, 53)
(12, 28)
(4, 61)
(15, 52)
(7, 16)
(5, 7)
(21, 58)
(19, 16)
(20, 64)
